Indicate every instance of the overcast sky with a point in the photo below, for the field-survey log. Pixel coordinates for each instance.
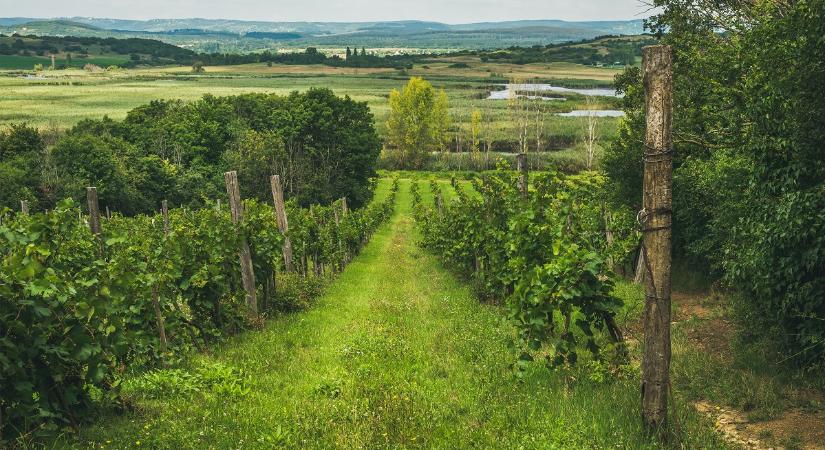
(449, 11)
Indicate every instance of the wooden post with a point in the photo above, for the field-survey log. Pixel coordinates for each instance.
(94, 210)
(521, 167)
(439, 203)
(159, 318)
(164, 211)
(24, 207)
(340, 243)
(108, 213)
(280, 216)
(247, 272)
(344, 212)
(639, 275)
(315, 264)
(655, 219)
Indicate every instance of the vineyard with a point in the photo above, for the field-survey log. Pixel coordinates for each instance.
(93, 299)
(551, 250)
(396, 352)
(485, 249)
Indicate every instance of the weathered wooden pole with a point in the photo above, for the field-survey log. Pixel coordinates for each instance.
(108, 213)
(655, 219)
(280, 216)
(344, 212)
(24, 207)
(316, 268)
(521, 168)
(340, 244)
(94, 210)
(159, 318)
(247, 272)
(164, 211)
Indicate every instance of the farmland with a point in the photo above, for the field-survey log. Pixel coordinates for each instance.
(62, 98)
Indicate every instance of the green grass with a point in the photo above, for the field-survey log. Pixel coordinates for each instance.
(68, 96)
(27, 62)
(396, 354)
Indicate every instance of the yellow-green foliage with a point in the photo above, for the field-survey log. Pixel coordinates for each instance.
(418, 121)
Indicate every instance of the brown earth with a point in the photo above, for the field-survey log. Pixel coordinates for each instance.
(713, 332)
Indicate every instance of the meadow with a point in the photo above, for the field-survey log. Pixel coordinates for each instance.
(59, 99)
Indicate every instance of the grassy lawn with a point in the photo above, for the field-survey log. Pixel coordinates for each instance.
(396, 354)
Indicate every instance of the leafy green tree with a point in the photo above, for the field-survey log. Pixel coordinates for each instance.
(418, 121)
(749, 175)
(21, 155)
(88, 160)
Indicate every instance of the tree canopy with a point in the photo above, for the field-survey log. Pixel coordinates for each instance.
(323, 146)
(418, 121)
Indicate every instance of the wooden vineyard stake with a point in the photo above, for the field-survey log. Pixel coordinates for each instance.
(655, 219)
(280, 216)
(247, 272)
(340, 245)
(316, 265)
(521, 168)
(24, 207)
(159, 318)
(94, 210)
(344, 212)
(164, 211)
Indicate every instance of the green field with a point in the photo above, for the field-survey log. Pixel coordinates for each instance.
(28, 62)
(59, 99)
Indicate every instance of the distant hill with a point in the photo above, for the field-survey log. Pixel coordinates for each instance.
(209, 35)
(24, 52)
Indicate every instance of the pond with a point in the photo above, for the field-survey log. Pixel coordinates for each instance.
(596, 113)
(504, 94)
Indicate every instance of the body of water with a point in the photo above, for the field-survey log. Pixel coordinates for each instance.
(504, 94)
(597, 113)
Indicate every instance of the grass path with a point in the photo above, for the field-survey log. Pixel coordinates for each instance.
(396, 354)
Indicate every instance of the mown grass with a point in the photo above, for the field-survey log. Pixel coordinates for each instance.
(397, 354)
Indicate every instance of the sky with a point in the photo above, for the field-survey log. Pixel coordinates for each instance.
(447, 11)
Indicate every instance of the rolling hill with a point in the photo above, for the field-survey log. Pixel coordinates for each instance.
(208, 35)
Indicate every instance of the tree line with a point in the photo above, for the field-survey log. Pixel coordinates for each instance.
(324, 146)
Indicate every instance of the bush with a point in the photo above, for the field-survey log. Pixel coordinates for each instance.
(294, 292)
